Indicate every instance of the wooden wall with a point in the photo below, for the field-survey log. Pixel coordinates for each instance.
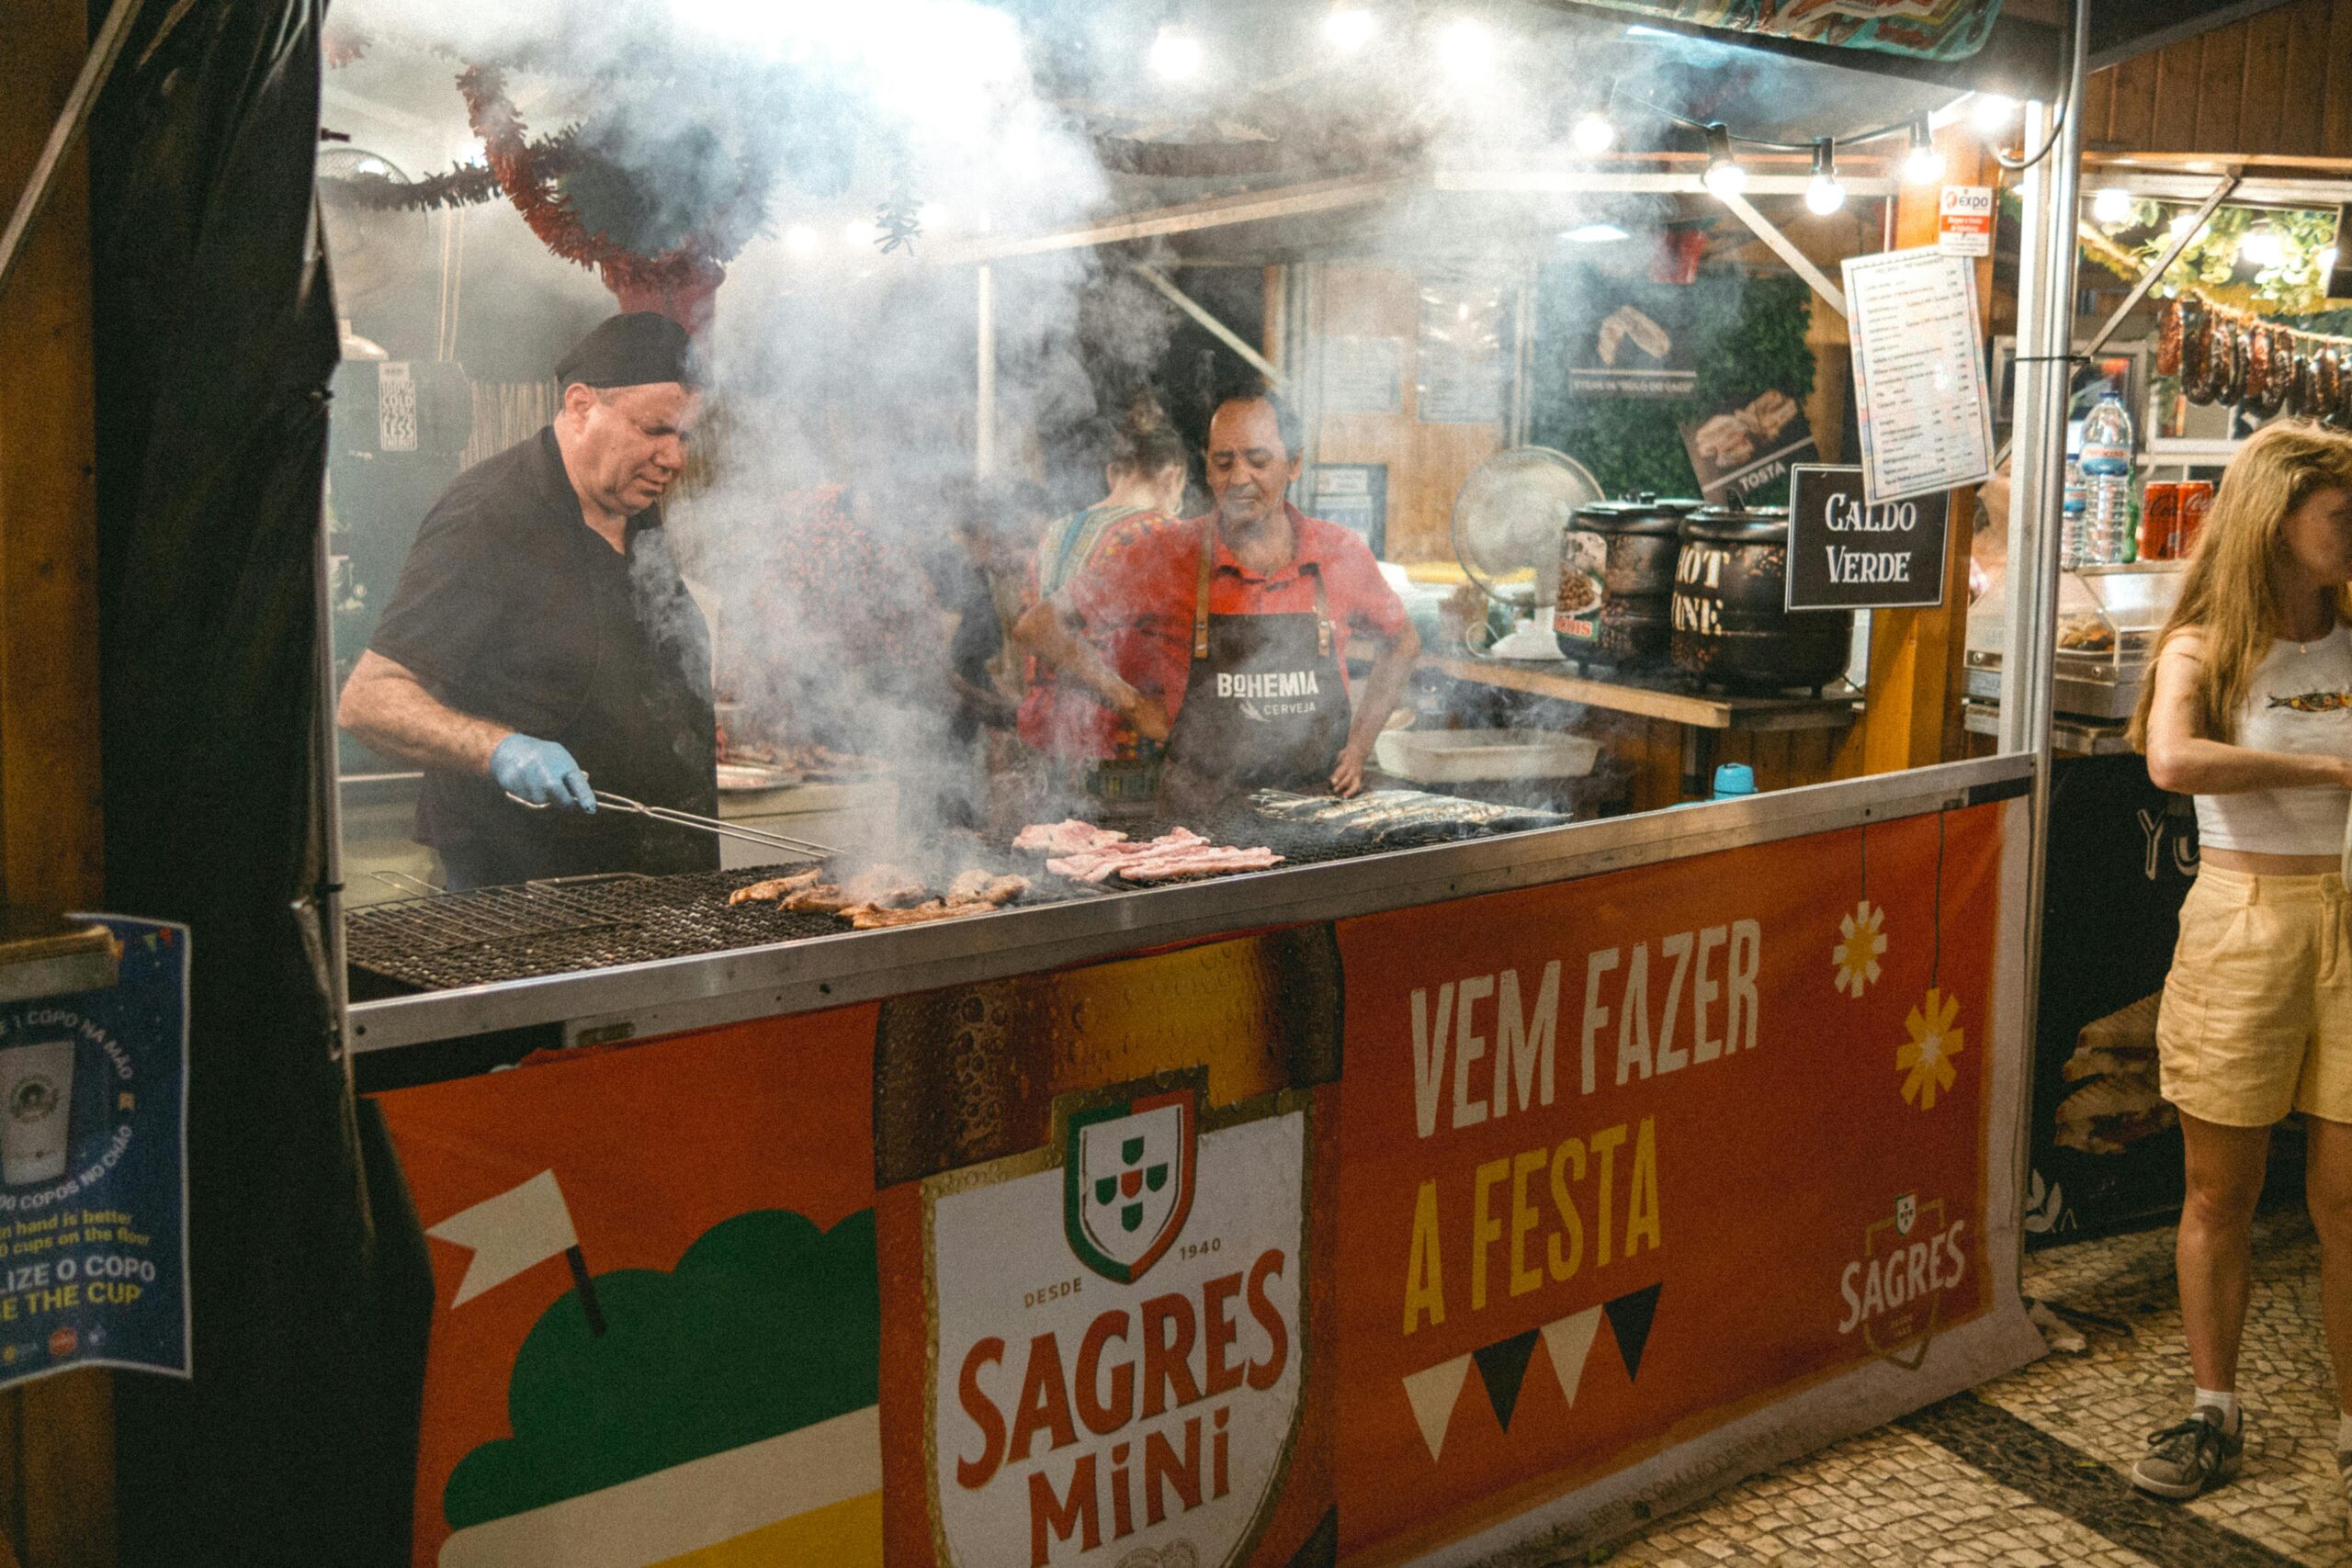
(56, 1435)
(2278, 85)
(1427, 463)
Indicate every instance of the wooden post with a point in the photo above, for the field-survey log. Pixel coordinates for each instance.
(56, 1435)
(1918, 656)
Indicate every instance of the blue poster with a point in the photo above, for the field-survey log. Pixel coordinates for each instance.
(93, 1167)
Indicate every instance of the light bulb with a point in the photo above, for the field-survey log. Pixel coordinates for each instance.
(1825, 193)
(857, 232)
(1175, 54)
(1723, 176)
(1467, 49)
(1593, 134)
(1594, 234)
(1992, 112)
(800, 240)
(2110, 205)
(2262, 246)
(1922, 166)
(1348, 27)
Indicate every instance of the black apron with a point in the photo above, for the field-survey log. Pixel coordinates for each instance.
(1265, 705)
(644, 727)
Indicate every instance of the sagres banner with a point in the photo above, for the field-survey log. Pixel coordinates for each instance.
(656, 1326)
(1631, 1156)
(1115, 1224)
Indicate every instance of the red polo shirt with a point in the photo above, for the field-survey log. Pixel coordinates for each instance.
(1135, 597)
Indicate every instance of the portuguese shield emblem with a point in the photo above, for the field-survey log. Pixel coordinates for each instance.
(1128, 1172)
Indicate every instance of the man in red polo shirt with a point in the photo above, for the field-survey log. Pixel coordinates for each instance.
(1226, 636)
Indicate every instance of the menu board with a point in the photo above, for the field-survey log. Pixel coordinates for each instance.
(1918, 373)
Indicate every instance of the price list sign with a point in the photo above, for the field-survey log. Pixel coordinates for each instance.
(1918, 373)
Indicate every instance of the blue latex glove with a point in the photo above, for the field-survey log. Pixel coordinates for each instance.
(540, 772)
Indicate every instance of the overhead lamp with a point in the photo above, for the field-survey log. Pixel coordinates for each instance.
(800, 239)
(1594, 234)
(1922, 166)
(1593, 134)
(1348, 27)
(1467, 49)
(1825, 193)
(2181, 223)
(1992, 112)
(2110, 205)
(2262, 246)
(1176, 54)
(857, 232)
(1723, 176)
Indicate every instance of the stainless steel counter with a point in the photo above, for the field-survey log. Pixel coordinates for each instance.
(787, 977)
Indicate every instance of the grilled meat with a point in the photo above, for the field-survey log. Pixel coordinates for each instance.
(774, 888)
(1066, 838)
(890, 887)
(1177, 852)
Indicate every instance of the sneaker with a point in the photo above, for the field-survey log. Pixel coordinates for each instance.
(2185, 1459)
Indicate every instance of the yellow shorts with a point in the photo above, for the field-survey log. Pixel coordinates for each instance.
(2258, 1010)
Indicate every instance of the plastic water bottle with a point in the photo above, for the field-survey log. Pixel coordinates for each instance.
(2070, 533)
(1734, 781)
(2106, 463)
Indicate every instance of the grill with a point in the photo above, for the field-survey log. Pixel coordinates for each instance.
(496, 934)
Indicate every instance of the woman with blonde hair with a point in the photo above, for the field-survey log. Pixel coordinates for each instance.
(2250, 711)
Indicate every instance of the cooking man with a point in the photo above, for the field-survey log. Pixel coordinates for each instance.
(1240, 622)
(541, 646)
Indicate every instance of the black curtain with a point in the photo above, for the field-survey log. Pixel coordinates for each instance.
(295, 1443)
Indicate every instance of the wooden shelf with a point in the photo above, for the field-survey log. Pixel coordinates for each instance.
(1837, 708)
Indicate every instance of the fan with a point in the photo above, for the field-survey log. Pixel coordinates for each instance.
(370, 248)
(1508, 522)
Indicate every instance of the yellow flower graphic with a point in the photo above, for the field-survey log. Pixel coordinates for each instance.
(1857, 957)
(1934, 1042)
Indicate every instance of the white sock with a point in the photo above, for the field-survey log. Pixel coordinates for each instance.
(2343, 1432)
(2225, 1404)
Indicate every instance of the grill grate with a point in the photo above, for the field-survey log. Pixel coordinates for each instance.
(499, 934)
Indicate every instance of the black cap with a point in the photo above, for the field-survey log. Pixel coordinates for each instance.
(632, 350)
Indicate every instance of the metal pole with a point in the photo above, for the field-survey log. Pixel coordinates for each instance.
(2162, 263)
(96, 67)
(2045, 376)
(984, 419)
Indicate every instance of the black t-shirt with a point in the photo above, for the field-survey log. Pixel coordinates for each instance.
(512, 609)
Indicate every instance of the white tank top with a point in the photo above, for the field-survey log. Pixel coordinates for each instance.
(2300, 700)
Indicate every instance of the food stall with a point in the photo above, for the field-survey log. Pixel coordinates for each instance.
(1308, 1181)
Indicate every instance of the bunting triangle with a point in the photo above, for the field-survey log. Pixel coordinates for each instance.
(1568, 1341)
(1502, 1367)
(1432, 1391)
(1629, 1319)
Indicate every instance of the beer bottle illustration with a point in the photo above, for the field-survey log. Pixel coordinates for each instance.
(1106, 1228)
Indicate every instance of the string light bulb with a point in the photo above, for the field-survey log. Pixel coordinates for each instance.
(1593, 134)
(2262, 246)
(2110, 205)
(1348, 27)
(800, 239)
(1723, 176)
(1825, 193)
(1176, 54)
(1467, 48)
(1922, 166)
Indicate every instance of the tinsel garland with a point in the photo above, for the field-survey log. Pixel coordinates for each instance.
(465, 185)
(524, 170)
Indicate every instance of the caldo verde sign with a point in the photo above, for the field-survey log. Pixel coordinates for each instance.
(1845, 554)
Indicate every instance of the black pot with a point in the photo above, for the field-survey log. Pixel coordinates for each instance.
(1730, 582)
(1617, 582)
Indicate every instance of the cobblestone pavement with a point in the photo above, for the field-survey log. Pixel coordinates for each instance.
(2028, 1471)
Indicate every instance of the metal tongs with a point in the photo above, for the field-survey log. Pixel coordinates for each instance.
(621, 803)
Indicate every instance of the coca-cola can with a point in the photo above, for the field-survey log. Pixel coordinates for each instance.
(2196, 500)
(2160, 520)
